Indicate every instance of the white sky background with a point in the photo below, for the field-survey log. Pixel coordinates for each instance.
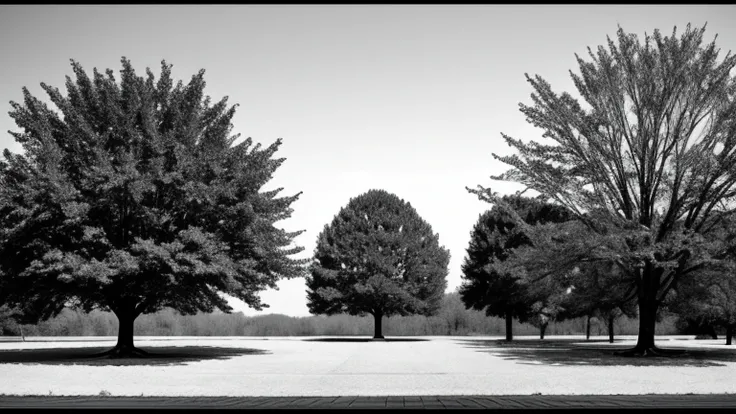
(410, 99)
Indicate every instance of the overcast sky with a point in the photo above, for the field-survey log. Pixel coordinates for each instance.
(410, 99)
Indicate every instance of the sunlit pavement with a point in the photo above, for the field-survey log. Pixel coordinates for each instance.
(313, 369)
(534, 402)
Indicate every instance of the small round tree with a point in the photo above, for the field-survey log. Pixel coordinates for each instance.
(131, 198)
(377, 257)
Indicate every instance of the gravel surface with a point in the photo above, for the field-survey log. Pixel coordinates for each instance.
(298, 366)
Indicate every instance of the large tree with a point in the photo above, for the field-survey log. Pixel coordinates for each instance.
(132, 196)
(494, 236)
(378, 257)
(646, 162)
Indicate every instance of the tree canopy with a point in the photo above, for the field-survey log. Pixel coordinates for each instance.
(646, 162)
(377, 256)
(132, 196)
(599, 289)
(493, 238)
(708, 297)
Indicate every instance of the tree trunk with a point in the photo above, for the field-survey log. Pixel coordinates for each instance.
(587, 329)
(610, 328)
(729, 334)
(125, 347)
(509, 327)
(126, 325)
(647, 324)
(377, 325)
(542, 328)
(648, 290)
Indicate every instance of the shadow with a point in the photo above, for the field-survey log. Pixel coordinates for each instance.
(591, 353)
(156, 356)
(137, 339)
(365, 340)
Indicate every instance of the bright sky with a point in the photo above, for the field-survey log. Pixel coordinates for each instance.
(407, 98)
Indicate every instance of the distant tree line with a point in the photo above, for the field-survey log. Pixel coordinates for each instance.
(451, 319)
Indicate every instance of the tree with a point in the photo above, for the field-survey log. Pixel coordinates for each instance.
(8, 324)
(378, 256)
(453, 313)
(687, 325)
(132, 197)
(547, 299)
(597, 290)
(493, 237)
(708, 298)
(646, 165)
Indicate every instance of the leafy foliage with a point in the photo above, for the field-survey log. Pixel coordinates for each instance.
(494, 237)
(132, 197)
(378, 256)
(708, 296)
(599, 289)
(8, 324)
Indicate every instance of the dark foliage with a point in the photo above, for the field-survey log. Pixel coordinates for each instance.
(493, 238)
(378, 256)
(131, 197)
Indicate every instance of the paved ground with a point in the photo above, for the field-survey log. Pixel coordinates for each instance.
(319, 367)
(524, 402)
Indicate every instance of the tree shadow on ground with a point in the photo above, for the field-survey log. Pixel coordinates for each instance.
(163, 355)
(137, 340)
(365, 340)
(577, 353)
